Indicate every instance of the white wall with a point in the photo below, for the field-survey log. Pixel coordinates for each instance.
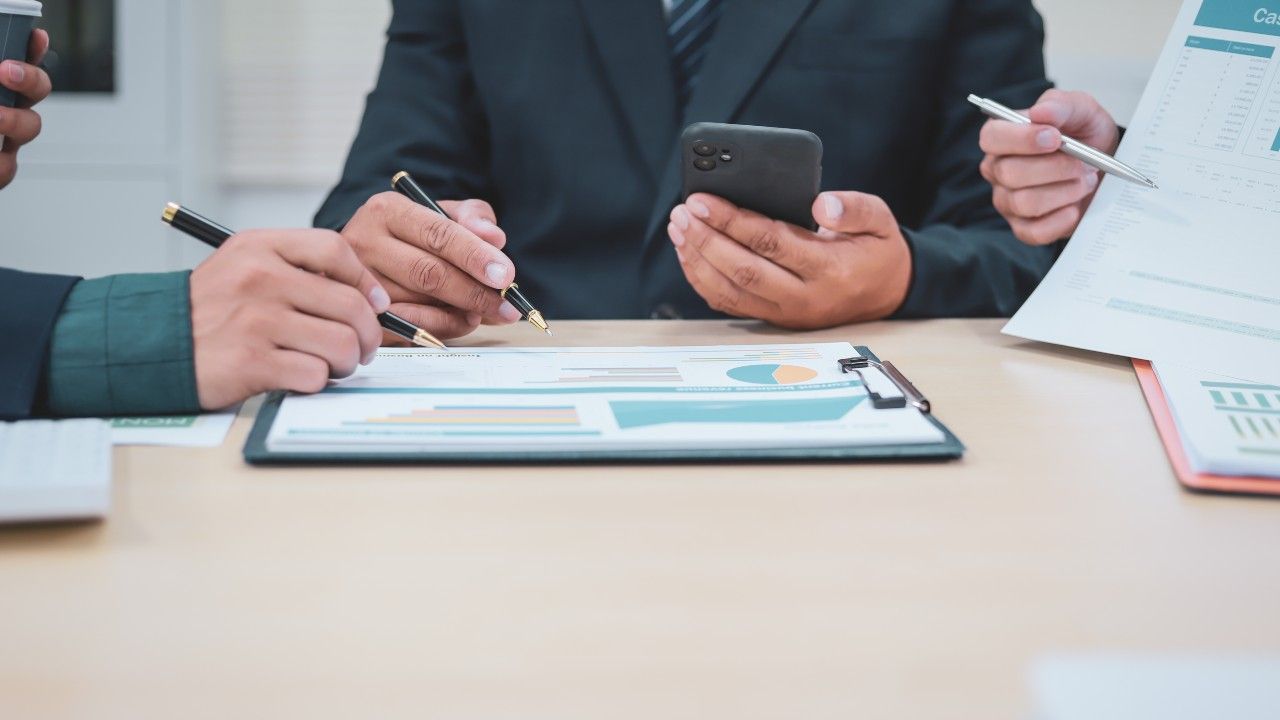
(89, 192)
(1107, 47)
(293, 101)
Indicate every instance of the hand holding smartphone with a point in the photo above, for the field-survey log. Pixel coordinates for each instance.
(776, 172)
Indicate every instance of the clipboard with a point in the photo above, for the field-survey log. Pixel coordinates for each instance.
(257, 452)
(1167, 427)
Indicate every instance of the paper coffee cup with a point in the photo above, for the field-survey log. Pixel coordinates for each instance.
(17, 18)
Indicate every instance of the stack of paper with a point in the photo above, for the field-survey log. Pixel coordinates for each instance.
(1227, 427)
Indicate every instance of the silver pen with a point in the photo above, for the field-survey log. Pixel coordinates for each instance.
(909, 392)
(1070, 146)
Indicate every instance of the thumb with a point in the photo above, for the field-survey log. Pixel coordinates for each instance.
(854, 213)
(373, 290)
(1079, 115)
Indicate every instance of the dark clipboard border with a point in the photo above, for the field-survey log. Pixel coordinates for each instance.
(257, 453)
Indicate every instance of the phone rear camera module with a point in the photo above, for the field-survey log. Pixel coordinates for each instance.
(705, 149)
(704, 164)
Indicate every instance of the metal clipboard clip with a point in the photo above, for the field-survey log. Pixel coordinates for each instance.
(909, 392)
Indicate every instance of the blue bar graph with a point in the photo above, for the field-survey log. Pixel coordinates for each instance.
(646, 413)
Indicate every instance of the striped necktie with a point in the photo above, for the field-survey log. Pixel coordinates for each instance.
(688, 30)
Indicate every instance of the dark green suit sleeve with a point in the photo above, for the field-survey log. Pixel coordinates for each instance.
(122, 346)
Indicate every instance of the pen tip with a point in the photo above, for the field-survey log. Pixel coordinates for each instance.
(535, 319)
(424, 339)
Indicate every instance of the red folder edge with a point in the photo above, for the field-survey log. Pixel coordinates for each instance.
(1168, 430)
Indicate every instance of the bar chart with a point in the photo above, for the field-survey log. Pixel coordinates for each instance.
(1252, 411)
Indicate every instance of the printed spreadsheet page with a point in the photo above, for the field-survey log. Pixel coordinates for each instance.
(569, 399)
(1189, 272)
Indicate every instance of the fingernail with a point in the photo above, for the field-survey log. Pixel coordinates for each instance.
(681, 218)
(379, 299)
(17, 72)
(1047, 139)
(508, 312)
(482, 224)
(497, 273)
(677, 237)
(369, 358)
(698, 208)
(833, 206)
(1091, 180)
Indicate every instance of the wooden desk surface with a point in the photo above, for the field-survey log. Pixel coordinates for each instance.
(766, 591)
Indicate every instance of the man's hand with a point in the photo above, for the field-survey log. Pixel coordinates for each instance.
(281, 310)
(857, 267)
(1041, 192)
(443, 276)
(21, 125)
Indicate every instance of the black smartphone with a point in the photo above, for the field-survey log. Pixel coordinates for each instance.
(776, 172)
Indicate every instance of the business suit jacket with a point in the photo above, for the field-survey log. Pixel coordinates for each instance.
(29, 307)
(562, 114)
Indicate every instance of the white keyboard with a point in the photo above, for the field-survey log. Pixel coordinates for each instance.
(54, 470)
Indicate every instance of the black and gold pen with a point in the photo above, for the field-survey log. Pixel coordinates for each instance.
(214, 235)
(404, 184)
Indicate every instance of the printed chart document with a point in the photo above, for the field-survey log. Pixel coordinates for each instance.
(207, 430)
(1227, 427)
(1189, 272)
(585, 399)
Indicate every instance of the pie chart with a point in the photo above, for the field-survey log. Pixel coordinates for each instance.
(773, 374)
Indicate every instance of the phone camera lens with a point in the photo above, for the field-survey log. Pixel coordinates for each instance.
(705, 149)
(704, 164)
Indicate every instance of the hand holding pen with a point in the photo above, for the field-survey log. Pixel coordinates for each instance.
(277, 310)
(443, 273)
(1046, 167)
(329, 247)
(404, 184)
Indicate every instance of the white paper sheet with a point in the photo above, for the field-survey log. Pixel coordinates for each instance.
(571, 399)
(1227, 427)
(1189, 272)
(1132, 686)
(208, 430)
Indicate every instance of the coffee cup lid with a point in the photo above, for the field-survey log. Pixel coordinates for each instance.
(21, 7)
